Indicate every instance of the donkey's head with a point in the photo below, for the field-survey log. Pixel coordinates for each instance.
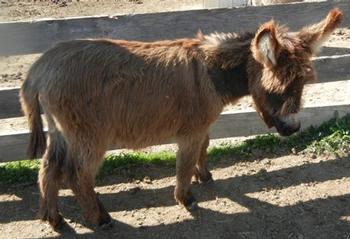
(280, 68)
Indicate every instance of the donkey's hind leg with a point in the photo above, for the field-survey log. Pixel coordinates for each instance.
(84, 161)
(186, 159)
(202, 173)
(50, 179)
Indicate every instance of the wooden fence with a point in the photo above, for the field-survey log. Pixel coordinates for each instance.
(20, 38)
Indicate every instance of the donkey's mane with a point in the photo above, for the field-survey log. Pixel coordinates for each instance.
(226, 50)
(225, 40)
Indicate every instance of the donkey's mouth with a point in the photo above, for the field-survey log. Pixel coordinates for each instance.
(286, 127)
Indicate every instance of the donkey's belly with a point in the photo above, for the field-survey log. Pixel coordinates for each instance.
(143, 141)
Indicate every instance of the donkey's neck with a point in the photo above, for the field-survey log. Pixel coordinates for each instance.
(230, 84)
(227, 59)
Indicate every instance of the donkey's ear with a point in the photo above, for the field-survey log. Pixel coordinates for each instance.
(315, 35)
(265, 44)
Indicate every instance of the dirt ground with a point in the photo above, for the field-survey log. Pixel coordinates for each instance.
(271, 196)
(266, 196)
(12, 10)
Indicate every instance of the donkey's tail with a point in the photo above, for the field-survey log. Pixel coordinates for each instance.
(29, 98)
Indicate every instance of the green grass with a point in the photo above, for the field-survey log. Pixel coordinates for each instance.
(114, 163)
(332, 137)
(19, 172)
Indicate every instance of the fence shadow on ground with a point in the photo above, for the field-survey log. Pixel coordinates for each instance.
(318, 218)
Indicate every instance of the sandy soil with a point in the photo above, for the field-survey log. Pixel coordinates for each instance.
(12, 10)
(272, 196)
(266, 196)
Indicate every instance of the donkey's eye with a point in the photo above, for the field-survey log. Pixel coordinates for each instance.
(275, 101)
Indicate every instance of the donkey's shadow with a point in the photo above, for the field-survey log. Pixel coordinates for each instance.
(318, 218)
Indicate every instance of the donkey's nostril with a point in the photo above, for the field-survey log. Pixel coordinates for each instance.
(286, 126)
(287, 130)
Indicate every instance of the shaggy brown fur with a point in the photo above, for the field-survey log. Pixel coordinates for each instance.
(100, 92)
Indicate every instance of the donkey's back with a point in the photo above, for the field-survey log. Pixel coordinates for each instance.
(131, 94)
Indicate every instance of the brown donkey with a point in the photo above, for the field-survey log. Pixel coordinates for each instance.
(100, 92)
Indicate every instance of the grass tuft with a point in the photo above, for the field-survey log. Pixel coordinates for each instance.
(332, 137)
(114, 163)
(25, 171)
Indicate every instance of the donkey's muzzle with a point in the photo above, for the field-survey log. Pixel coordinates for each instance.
(286, 126)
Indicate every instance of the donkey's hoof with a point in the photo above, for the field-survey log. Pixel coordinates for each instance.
(192, 207)
(203, 178)
(56, 222)
(191, 204)
(105, 220)
(106, 226)
(206, 178)
(42, 215)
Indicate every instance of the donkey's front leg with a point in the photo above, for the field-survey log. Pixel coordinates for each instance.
(186, 158)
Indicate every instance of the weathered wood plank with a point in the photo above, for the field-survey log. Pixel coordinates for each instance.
(333, 68)
(246, 124)
(231, 124)
(37, 36)
(328, 69)
(9, 104)
(13, 147)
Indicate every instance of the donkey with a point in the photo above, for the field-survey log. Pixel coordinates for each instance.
(135, 94)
